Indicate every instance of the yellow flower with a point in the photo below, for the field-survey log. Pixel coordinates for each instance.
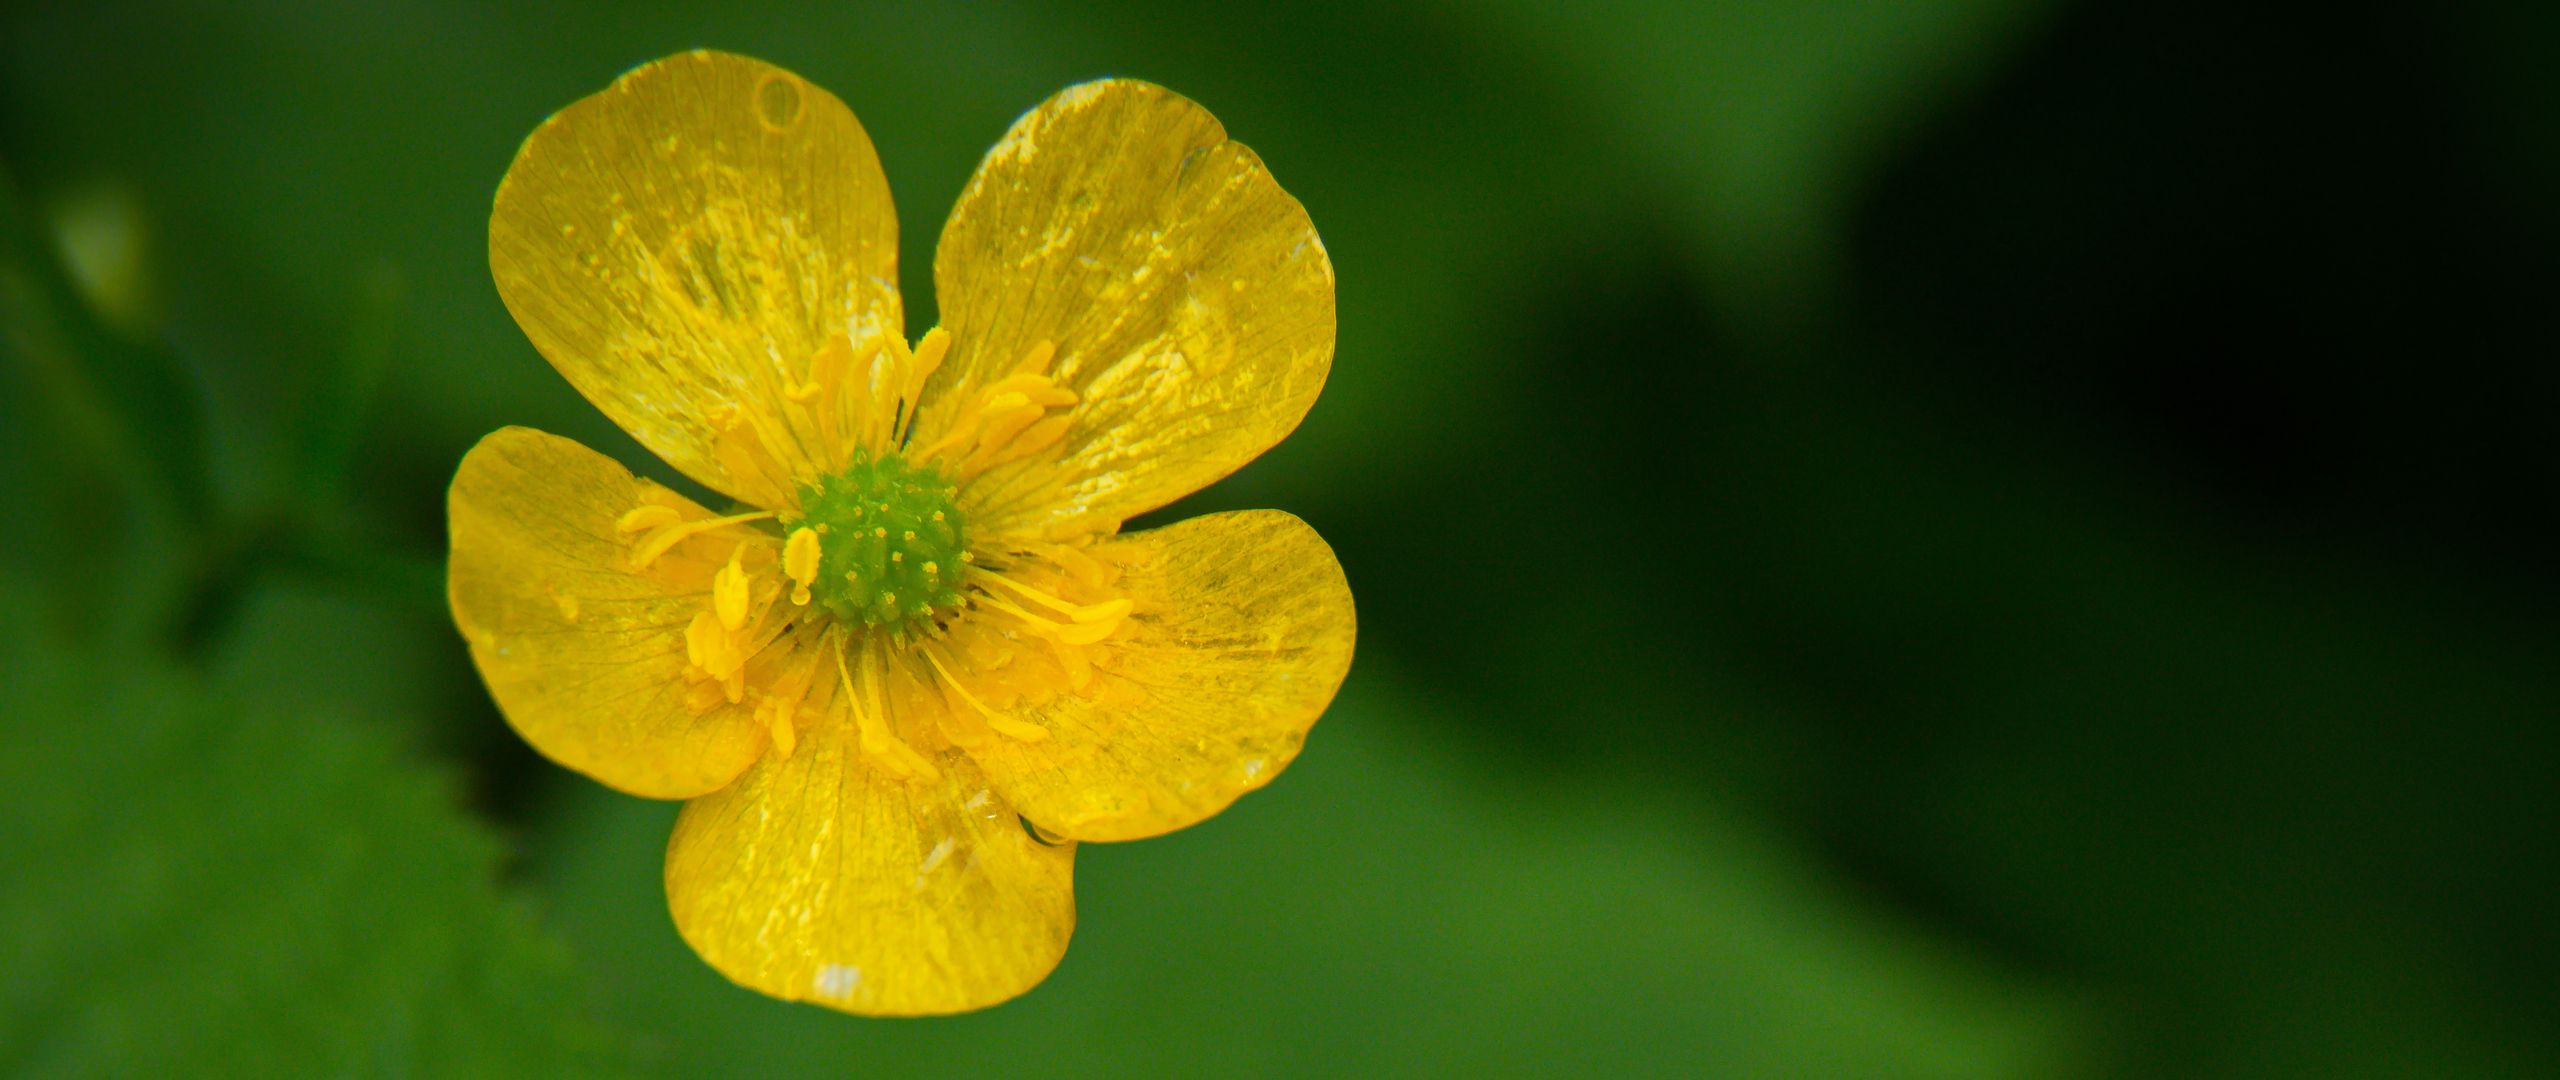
(920, 627)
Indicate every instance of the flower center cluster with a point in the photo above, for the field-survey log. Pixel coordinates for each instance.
(879, 543)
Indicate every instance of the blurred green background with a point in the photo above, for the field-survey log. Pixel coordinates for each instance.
(1941, 538)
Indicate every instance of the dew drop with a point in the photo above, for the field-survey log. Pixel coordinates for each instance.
(838, 980)
(778, 100)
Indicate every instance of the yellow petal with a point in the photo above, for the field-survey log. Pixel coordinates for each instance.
(821, 878)
(1241, 633)
(1187, 296)
(586, 657)
(687, 240)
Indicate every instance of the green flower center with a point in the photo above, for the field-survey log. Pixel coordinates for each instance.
(889, 541)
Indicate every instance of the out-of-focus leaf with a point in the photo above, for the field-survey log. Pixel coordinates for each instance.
(332, 647)
(191, 887)
(1381, 910)
(124, 404)
(1763, 117)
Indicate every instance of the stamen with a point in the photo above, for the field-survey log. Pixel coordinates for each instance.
(1005, 725)
(928, 357)
(1004, 421)
(1079, 565)
(648, 516)
(703, 696)
(780, 708)
(825, 367)
(865, 423)
(729, 590)
(721, 650)
(1036, 358)
(1083, 613)
(1064, 633)
(1075, 664)
(776, 714)
(710, 647)
(872, 724)
(800, 563)
(668, 536)
(826, 389)
(1036, 438)
(781, 446)
(743, 445)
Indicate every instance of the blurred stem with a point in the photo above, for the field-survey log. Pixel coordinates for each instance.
(359, 564)
(335, 418)
(408, 580)
(308, 533)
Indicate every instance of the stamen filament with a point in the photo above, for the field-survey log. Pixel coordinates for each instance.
(1064, 633)
(1082, 613)
(1004, 725)
(871, 722)
(669, 536)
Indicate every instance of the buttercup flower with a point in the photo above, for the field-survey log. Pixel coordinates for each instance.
(919, 629)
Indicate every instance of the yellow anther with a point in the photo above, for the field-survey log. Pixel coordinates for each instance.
(648, 516)
(931, 569)
(1037, 357)
(826, 367)
(777, 722)
(1036, 438)
(800, 562)
(900, 556)
(1112, 610)
(709, 647)
(880, 532)
(921, 364)
(997, 413)
(907, 535)
(1023, 388)
(1082, 633)
(729, 590)
(744, 445)
(778, 707)
(937, 515)
(1006, 725)
(929, 353)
